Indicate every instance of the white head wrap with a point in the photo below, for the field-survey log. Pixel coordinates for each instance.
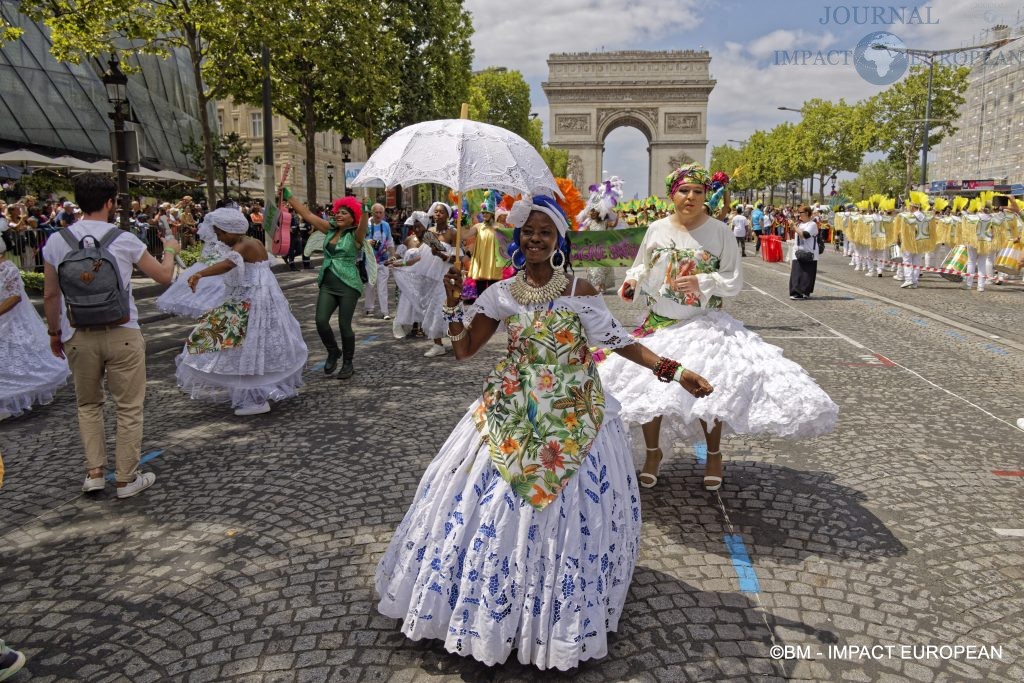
(205, 230)
(521, 212)
(228, 220)
(418, 217)
(448, 209)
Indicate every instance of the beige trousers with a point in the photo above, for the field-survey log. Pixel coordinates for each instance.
(119, 355)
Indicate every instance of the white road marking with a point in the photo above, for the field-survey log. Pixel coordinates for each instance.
(1015, 533)
(898, 365)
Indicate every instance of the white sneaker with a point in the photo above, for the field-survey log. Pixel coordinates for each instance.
(1020, 423)
(907, 285)
(897, 277)
(869, 274)
(257, 409)
(91, 484)
(386, 317)
(143, 480)
(436, 350)
(397, 331)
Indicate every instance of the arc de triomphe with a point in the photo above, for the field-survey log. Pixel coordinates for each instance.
(662, 94)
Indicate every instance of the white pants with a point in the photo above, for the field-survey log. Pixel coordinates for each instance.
(860, 257)
(912, 274)
(379, 292)
(876, 260)
(980, 264)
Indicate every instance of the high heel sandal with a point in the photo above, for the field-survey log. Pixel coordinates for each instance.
(711, 482)
(646, 479)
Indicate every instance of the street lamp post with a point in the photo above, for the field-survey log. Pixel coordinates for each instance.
(330, 180)
(224, 166)
(346, 156)
(116, 84)
(930, 56)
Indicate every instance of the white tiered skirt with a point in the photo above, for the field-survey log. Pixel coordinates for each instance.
(757, 390)
(477, 567)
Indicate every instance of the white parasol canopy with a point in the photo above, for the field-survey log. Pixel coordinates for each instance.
(27, 158)
(460, 154)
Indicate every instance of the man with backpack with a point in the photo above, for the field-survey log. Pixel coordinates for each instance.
(91, 315)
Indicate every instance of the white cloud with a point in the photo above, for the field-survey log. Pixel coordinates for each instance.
(783, 39)
(521, 34)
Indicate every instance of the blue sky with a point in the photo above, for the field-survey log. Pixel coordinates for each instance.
(745, 40)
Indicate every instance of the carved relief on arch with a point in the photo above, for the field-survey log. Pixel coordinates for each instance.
(574, 169)
(678, 160)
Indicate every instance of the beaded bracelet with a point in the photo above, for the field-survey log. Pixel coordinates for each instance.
(453, 314)
(460, 336)
(665, 370)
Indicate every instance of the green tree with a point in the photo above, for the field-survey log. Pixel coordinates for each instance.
(433, 64)
(898, 114)
(201, 27)
(502, 98)
(331, 67)
(832, 136)
(557, 160)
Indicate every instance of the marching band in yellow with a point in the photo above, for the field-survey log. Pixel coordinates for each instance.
(969, 240)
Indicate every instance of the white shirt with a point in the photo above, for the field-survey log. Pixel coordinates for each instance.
(127, 249)
(807, 243)
(713, 237)
(739, 225)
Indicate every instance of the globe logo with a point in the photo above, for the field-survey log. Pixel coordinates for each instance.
(876, 64)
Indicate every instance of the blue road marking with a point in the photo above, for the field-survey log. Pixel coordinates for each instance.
(954, 334)
(367, 340)
(741, 563)
(142, 461)
(319, 366)
(997, 350)
(701, 451)
(918, 321)
(894, 311)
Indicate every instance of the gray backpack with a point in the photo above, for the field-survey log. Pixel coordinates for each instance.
(91, 282)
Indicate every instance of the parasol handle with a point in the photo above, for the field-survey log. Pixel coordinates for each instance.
(463, 114)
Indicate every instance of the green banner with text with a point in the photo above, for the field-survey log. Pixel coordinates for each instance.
(594, 248)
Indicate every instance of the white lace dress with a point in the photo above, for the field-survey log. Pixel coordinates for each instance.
(477, 562)
(179, 299)
(757, 389)
(250, 348)
(422, 294)
(29, 373)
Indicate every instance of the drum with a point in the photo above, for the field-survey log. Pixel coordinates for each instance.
(895, 255)
(1009, 260)
(956, 260)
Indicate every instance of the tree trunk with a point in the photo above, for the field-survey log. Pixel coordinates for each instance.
(309, 131)
(771, 195)
(909, 181)
(195, 56)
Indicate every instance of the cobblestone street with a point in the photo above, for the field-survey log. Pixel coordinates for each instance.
(252, 557)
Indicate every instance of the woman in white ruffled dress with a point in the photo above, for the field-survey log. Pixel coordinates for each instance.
(29, 374)
(179, 299)
(249, 350)
(419, 278)
(686, 264)
(524, 530)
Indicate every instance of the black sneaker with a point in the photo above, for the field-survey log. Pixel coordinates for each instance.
(796, 297)
(331, 364)
(346, 370)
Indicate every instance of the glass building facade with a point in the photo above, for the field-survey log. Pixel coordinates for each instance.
(56, 108)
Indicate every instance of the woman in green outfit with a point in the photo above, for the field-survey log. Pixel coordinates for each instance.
(339, 281)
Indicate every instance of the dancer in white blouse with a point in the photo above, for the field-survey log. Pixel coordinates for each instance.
(686, 264)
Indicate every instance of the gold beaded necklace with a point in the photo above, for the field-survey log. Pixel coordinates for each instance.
(526, 294)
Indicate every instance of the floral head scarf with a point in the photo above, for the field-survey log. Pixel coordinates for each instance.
(687, 174)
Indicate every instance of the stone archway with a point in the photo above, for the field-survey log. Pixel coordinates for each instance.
(662, 94)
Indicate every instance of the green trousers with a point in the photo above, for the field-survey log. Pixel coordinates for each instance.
(344, 301)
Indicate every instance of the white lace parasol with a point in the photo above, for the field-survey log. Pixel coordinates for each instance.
(460, 154)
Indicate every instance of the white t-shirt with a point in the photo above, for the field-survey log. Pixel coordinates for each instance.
(127, 249)
(739, 225)
(808, 243)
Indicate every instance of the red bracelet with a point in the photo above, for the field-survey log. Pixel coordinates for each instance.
(665, 370)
